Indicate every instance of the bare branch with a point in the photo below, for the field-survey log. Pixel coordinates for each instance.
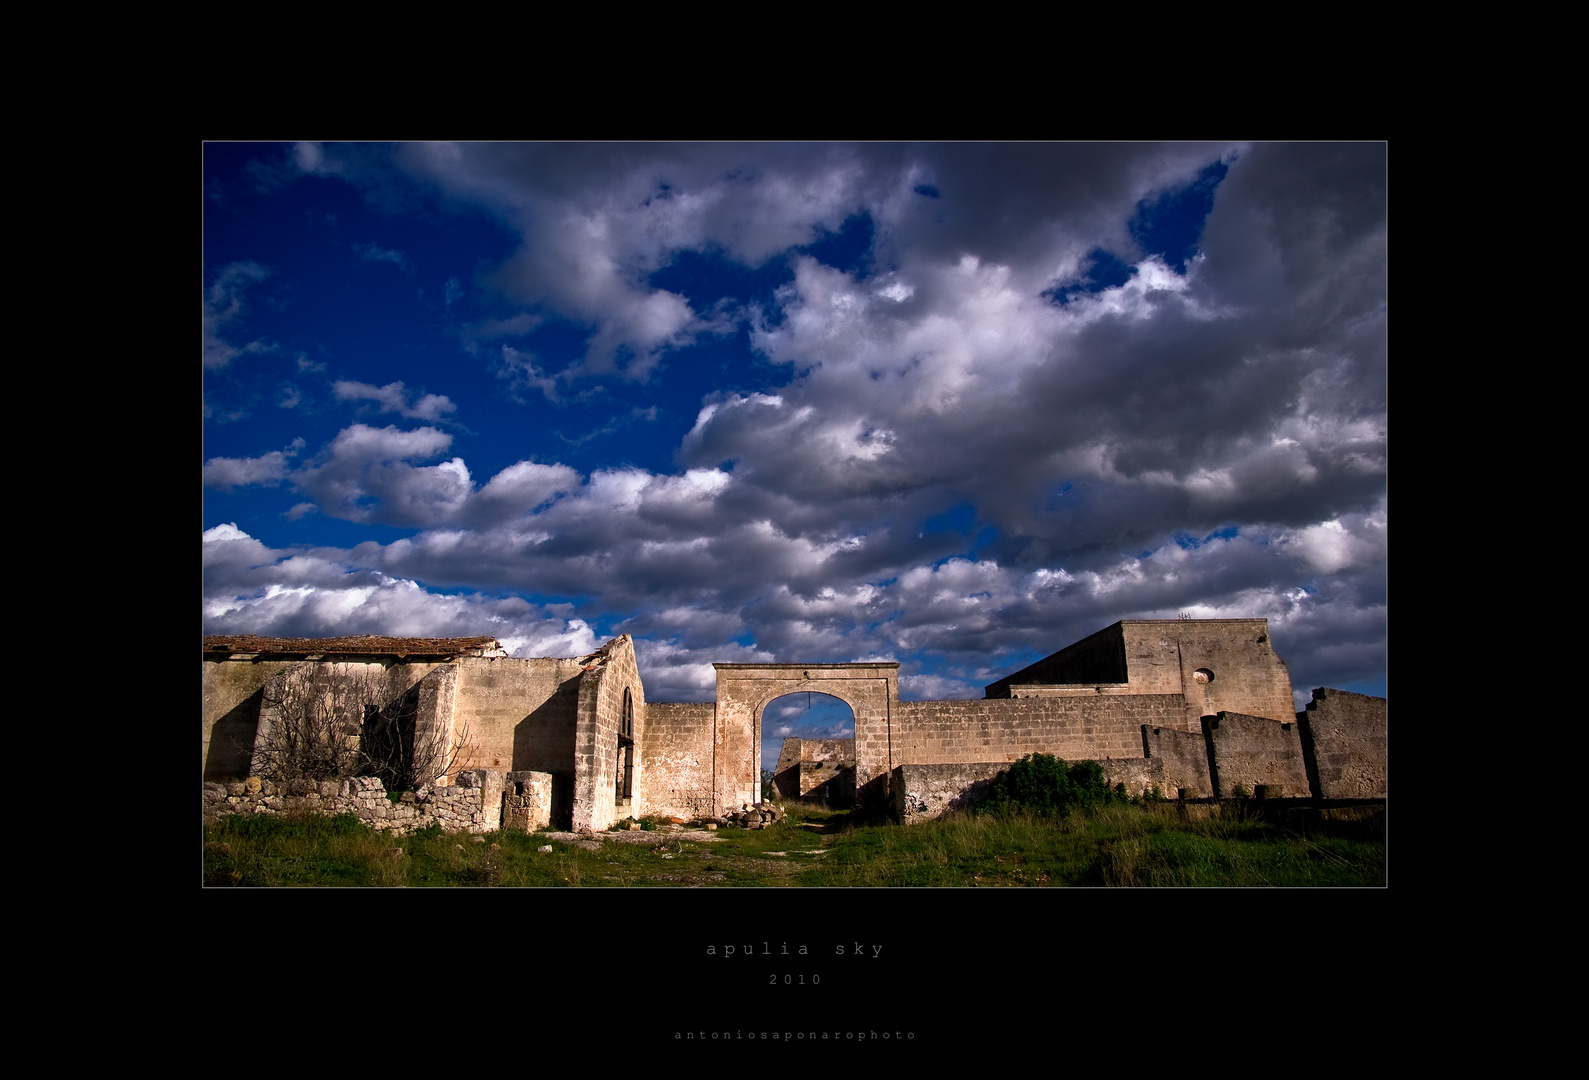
(326, 722)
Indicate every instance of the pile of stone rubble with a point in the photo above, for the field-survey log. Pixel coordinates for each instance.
(758, 816)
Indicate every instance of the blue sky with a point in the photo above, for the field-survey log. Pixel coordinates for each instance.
(952, 405)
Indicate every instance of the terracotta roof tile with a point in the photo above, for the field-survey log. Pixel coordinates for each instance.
(366, 645)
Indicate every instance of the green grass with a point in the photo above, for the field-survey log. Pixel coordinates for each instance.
(1114, 845)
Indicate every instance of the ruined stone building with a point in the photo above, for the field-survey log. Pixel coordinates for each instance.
(1196, 708)
(572, 719)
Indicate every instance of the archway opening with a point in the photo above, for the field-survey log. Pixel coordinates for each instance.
(820, 767)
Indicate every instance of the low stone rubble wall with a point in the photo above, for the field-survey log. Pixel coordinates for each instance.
(472, 803)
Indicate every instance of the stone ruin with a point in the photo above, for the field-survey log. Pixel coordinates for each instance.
(1197, 709)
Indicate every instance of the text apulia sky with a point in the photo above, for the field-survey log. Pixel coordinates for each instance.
(952, 405)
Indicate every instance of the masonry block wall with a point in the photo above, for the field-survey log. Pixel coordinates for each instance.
(1030, 690)
(232, 695)
(517, 714)
(1344, 744)
(1253, 751)
(1137, 775)
(1132, 697)
(1074, 728)
(1182, 762)
(924, 792)
(1247, 676)
(678, 750)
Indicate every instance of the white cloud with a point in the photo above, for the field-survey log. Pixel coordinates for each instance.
(251, 589)
(393, 397)
(224, 303)
(365, 475)
(267, 469)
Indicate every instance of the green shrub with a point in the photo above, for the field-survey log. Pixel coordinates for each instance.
(1044, 785)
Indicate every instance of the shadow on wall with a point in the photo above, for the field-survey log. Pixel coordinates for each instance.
(232, 740)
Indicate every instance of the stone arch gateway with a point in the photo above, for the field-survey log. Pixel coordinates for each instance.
(871, 690)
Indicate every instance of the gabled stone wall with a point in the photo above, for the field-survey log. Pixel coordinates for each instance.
(607, 674)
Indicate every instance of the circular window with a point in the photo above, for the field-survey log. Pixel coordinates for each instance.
(1203, 675)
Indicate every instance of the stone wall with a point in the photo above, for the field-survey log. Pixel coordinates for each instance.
(473, 803)
(1246, 675)
(1344, 744)
(1132, 697)
(1036, 690)
(786, 774)
(924, 792)
(517, 715)
(1181, 759)
(1074, 728)
(1252, 752)
(677, 779)
(1233, 752)
(816, 768)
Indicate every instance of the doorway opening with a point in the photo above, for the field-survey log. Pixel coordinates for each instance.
(808, 749)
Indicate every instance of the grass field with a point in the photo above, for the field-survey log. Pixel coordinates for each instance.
(1121, 845)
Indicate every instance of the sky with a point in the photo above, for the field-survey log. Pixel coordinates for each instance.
(956, 406)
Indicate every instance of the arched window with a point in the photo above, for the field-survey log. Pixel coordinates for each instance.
(623, 773)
